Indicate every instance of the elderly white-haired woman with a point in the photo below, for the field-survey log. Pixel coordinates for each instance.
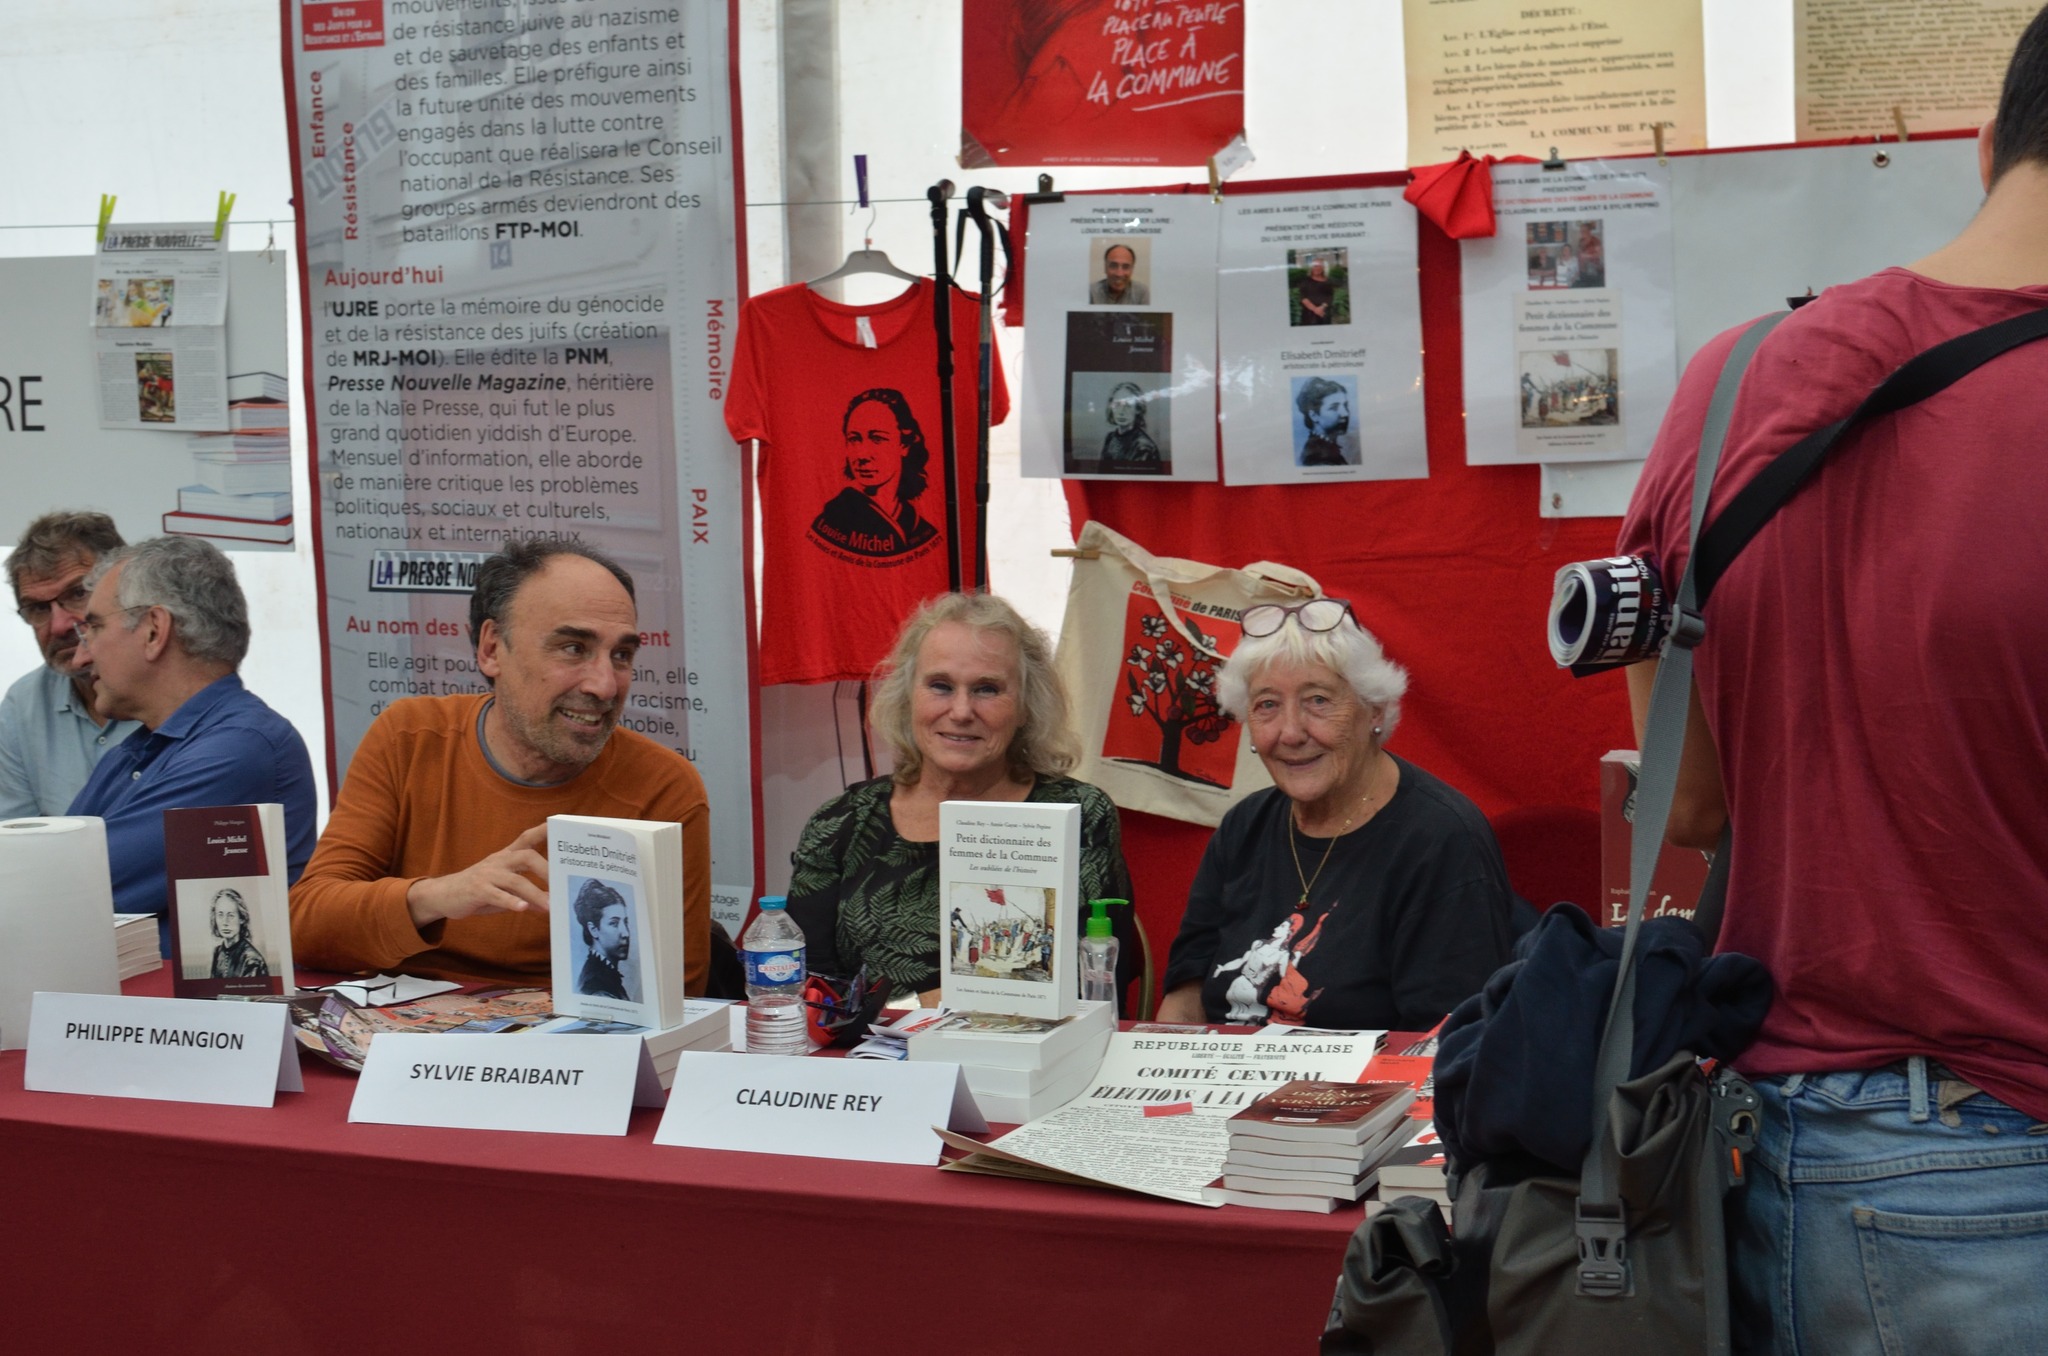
(969, 704)
(1359, 891)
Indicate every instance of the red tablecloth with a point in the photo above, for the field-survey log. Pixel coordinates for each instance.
(157, 1226)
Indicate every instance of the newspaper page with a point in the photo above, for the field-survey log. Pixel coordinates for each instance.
(1320, 337)
(1120, 339)
(1115, 1133)
(159, 327)
(1570, 341)
(1505, 77)
(1940, 66)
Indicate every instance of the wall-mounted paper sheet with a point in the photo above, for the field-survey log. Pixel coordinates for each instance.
(1320, 332)
(1570, 352)
(1119, 366)
(1589, 79)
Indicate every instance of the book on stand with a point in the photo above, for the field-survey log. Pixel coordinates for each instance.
(1009, 895)
(615, 919)
(224, 869)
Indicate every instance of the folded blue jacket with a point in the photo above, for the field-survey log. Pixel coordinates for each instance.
(1514, 1064)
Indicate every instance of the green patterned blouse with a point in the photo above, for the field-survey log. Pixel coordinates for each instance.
(864, 894)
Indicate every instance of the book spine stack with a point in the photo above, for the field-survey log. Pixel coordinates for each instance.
(1417, 1167)
(243, 478)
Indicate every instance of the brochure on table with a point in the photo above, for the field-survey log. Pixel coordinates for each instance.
(1155, 1119)
(1009, 894)
(616, 921)
(231, 931)
(159, 326)
(1570, 342)
(1320, 338)
(1119, 382)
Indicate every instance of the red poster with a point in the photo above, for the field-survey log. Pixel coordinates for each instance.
(1166, 714)
(1100, 82)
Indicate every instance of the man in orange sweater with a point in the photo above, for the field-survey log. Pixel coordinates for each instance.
(434, 860)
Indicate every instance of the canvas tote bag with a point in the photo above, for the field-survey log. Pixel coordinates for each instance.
(1139, 650)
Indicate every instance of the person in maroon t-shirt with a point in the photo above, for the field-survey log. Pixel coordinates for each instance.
(1869, 718)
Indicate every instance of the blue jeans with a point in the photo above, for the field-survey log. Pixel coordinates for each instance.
(1894, 1211)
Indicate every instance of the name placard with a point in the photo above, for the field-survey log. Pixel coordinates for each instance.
(577, 1084)
(871, 1111)
(162, 1049)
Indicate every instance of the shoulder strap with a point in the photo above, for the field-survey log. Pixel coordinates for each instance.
(1601, 1226)
(1918, 378)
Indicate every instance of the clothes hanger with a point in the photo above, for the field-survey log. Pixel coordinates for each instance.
(866, 259)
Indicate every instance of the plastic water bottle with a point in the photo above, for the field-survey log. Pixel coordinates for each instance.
(772, 950)
(1098, 954)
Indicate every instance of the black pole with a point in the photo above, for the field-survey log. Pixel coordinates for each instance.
(978, 200)
(942, 327)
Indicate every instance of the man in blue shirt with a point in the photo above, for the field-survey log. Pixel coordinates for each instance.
(165, 629)
(50, 736)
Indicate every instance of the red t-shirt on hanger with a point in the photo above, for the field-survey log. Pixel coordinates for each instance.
(845, 403)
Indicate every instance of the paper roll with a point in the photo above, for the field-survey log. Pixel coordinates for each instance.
(56, 916)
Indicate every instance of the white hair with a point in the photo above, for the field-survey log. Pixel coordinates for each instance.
(1348, 650)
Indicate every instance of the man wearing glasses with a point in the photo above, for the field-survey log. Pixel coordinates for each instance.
(165, 629)
(50, 735)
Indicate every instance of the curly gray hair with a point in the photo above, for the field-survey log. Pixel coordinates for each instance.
(1044, 745)
(1349, 650)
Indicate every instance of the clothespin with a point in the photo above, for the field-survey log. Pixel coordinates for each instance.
(270, 244)
(1215, 181)
(1556, 162)
(220, 218)
(860, 178)
(106, 215)
(1657, 131)
(1899, 121)
(1076, 553)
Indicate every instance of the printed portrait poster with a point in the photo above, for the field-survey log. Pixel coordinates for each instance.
(1119, 382)
(1320, 336)
(1099, 82)
(1571, 351)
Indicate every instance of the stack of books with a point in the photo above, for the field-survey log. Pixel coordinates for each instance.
(1021, 1068)
(1418, 1167)
(244, 489)
(706, 1025)
(135, 947)
(1312, 1145)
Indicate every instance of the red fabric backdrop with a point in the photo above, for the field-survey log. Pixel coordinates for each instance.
(1452, 573)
